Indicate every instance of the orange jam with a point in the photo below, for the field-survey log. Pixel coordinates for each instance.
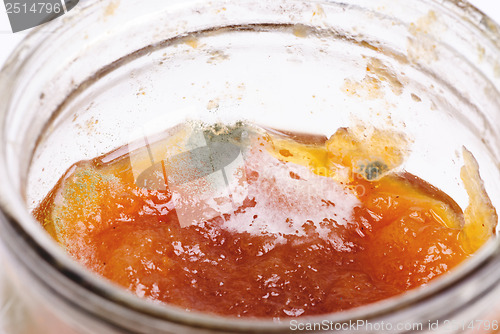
(309, 225)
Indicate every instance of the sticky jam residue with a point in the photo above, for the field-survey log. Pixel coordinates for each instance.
(246, 221)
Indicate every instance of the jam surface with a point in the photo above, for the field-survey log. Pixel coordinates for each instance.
(318, 228)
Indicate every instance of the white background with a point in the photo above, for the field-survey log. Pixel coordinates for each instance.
(8, 40)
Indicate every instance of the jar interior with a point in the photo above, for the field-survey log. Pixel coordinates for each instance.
(290, 76)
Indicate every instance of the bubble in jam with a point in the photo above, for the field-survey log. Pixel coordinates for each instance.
(241, 220)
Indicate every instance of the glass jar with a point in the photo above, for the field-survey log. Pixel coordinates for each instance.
(83, 84)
